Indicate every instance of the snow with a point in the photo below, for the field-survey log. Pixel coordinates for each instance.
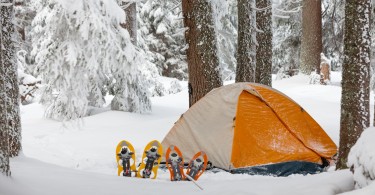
(161, 29)
(364, 191)
(52, 179)
(87, 51)
(362, 158)
(79, 157)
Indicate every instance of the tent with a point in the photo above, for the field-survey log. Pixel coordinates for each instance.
(252, 128)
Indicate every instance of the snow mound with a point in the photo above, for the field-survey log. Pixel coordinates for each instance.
(362, 159)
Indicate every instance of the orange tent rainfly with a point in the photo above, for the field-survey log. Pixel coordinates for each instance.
(252, 128)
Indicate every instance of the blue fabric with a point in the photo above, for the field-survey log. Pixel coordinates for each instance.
(282, 169)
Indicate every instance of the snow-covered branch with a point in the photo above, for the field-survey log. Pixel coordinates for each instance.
(280, 16)
(81, 52)
(262, 9)
(294, 10)
(5, 4)
(175, 7)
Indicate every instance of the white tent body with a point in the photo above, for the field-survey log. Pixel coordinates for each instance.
(208, 126)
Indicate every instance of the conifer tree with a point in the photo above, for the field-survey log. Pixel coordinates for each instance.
(225, 18)
(246, 49)
(11, 79)
(8, 128)
(202, 56)
(333, 14)
(263, 69)
(286, 38)
(130, 9)
(80, 49)
(355, 111)
(161, 36)
(311, 43)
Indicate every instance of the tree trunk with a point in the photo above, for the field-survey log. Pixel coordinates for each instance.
(355, 114)
(131, 21)
(4, 134)
(246, 49)
(203, 63)
(311, 43)
(6, 62)
(11, 81)
(263, 70)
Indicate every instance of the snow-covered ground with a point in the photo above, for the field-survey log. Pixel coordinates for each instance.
(79, 157)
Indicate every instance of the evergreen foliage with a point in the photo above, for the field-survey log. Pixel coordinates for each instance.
(80, 48)
(161, 35)
(224, 15)
(286, 38)
(333, 31)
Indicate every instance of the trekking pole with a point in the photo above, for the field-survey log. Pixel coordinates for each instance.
(191, 179)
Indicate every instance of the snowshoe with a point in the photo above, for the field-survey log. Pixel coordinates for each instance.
(150, 160)
(125, 159)
(175, 163)
(197, 165)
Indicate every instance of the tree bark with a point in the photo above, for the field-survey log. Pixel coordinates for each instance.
(263, 70)
(311, 43)
(246, 49)
(4, 134)
(203, 63)
(355, 114)
(6, 62)
(131, 21)
(11, 81)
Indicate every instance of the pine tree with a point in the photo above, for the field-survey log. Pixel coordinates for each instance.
(28, 84)
(131, 92)
(333, 14)
(161, 37)
(77, 47)
(4, 131)
(355, 113)
(24, 14)
(11, 80)
(225, 12)
(286, 38)
(202, 52)
(7, 62)
(311, 43)
(263, 69)
(246, 50)
(130, 8)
